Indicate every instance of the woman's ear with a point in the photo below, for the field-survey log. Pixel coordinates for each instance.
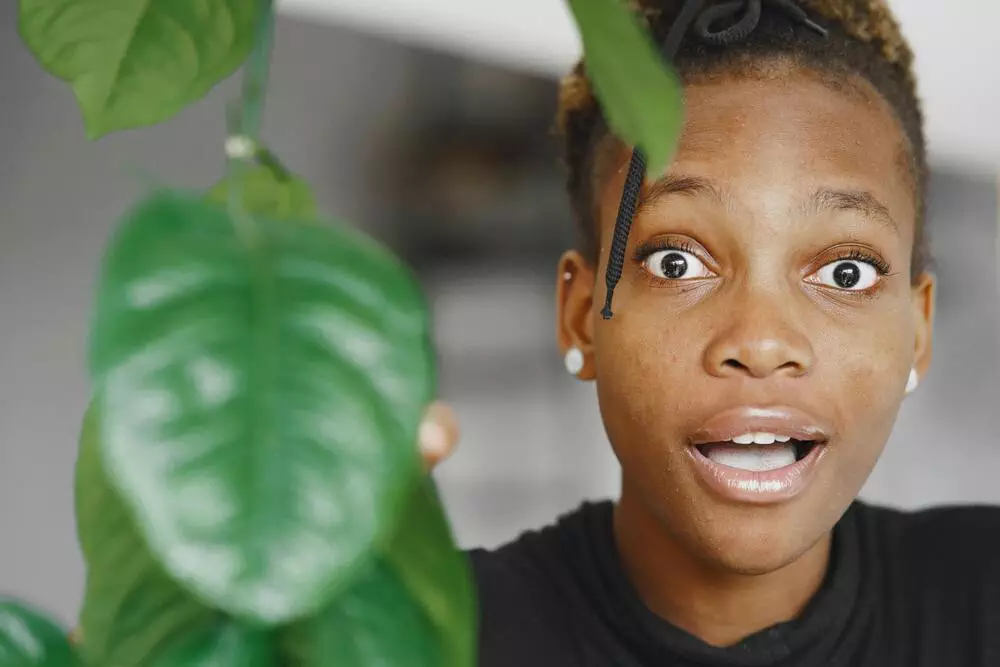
(924, 292)
(574, 310)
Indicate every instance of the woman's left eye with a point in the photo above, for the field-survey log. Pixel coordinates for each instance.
(848, 274)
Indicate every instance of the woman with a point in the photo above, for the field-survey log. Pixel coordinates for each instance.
(773, 310)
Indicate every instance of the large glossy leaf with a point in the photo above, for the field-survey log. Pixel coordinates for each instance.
(28, 639)
(130, 606)
(261, 392)
(271, 194)
(413, 606)
(640, 95)
(138, 62)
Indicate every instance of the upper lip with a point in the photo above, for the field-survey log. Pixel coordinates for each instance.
(779, 420)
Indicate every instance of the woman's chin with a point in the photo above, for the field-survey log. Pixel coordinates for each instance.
(758, 547)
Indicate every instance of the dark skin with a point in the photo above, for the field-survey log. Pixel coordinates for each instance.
(779, 176)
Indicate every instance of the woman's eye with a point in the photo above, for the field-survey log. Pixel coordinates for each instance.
(848, 274)
(675, 264)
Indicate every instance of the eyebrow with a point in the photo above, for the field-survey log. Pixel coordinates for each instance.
(680, 184)
(829, 199)
(861, 201)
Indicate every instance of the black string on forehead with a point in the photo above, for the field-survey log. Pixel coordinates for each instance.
(742, 17)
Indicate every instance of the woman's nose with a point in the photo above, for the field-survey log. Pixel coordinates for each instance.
(759, 339)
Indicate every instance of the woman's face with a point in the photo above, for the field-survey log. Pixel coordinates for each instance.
(766, 295)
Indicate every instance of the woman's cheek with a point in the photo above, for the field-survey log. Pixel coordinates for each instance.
(867, 369)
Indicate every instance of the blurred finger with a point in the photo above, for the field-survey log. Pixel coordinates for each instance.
(438, 434)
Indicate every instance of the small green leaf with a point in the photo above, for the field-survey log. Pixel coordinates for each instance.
(227, 643)
(641, 96)
(260, 394)
(270, 194)
(134, 63)
(130, 606)
(28, 639)
(412, 606)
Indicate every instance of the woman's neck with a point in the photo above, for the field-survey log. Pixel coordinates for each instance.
(719, 606)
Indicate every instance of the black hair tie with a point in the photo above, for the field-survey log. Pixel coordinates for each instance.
(703, 18)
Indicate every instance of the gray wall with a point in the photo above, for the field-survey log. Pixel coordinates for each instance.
(527, 453)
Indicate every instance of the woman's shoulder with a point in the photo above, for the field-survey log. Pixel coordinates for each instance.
(946, 546)
(541, 561)
(528, 586)
(954, 524)
(536, 551)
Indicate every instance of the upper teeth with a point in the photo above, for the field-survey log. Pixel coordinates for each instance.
(760, 439)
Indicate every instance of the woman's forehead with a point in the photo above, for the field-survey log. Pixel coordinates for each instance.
(779, 138)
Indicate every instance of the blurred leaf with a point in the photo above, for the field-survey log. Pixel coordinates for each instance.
(423, 555)
(641, 96)
(28, 639)
(261, 394)
(133, 64)
(270, 194)
(373, 623)
(130, 606)
(414, 606)
(227, 643)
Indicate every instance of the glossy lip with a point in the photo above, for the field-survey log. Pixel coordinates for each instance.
(770, 486)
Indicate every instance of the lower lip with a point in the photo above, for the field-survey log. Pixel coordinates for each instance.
(769, 486)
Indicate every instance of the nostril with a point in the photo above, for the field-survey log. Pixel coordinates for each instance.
(733, 363)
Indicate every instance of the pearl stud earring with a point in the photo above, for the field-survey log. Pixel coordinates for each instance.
(573, 361)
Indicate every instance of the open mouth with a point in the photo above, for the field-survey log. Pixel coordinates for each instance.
(758, 452)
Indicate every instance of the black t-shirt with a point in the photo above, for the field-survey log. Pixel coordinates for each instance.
(903, 590)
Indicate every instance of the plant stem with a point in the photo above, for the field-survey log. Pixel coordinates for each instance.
(245, 122)
(258, 69)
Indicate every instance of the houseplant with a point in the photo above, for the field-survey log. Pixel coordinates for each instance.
(247, 492)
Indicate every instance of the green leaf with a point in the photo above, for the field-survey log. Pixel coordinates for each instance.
(261, 394)
(423, 555)
(641, 96)
(374, 623)
(28, 639)
(414, 606)
(130, 606)
(134, 63)
(270, 194)
(227, 643)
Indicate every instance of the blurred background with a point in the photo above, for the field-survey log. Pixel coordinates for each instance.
(428, 123)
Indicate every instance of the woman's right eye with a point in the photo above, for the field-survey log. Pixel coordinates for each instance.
(674, 264)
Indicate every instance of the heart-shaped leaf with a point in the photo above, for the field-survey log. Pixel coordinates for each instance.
(271, 194)
(261, 393)
(28, 639)
(130, 606)
(414, 606)
(133, 64)
(641, 96)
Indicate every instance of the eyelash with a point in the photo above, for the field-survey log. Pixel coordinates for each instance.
(643, 252)
(859, 255)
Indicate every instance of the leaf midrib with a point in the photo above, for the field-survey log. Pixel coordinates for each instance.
(263, 374)
(143, 15)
